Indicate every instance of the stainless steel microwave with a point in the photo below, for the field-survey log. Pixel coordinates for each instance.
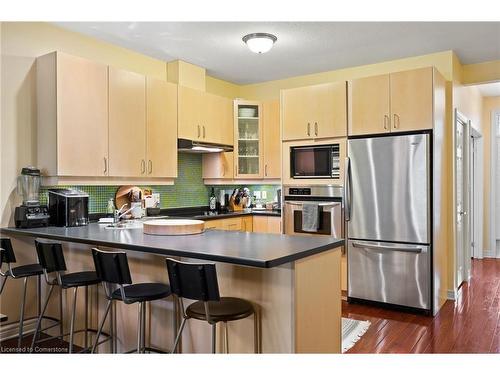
(315, 161)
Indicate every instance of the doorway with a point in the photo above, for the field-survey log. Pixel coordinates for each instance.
(462, 199)
(476, 168)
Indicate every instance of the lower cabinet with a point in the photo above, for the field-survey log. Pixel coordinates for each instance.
(242, 224)
(267, 224)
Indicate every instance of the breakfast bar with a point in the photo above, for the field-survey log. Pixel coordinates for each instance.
(294, 283)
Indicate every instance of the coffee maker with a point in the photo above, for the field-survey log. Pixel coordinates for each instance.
(31, 213)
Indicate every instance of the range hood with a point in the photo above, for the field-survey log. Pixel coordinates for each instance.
(186, 145)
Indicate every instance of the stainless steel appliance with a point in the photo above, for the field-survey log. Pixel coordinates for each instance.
(31, 213)
(329, 199)
(388, 210)
(68, 208)
(322, 161)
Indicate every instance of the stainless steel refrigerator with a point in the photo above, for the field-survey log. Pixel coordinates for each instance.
(388, 213)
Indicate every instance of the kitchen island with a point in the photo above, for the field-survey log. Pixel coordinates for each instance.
(293, 281)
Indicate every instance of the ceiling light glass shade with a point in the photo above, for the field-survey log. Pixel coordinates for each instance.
(259, 42)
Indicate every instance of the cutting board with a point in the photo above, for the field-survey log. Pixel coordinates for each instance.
(173, 227)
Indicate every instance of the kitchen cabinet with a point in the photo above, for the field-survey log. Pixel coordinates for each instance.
(72, 98)
(248, 150)
(204, 117)
(272, 141)
(161, 128)
(396, 102)
(218, 165)
(127, 123)
(267, 224)
(242, 224)
(369, 103)
(315, 112)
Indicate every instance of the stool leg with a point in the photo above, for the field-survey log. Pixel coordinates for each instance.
(39, 321)
(139, 327)
(61, 328)
(38, 298)
(226, 338)
(214, 337)
(101, 325)
(86, 316)
(143, 329)
(72, 325)
(256, 332)
(179, 333)
(4, 281)
(21, 319)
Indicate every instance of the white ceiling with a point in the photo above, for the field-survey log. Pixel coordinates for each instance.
(489, 89)
(302, 47)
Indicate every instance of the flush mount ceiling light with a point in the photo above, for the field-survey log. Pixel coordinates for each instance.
(259, 42)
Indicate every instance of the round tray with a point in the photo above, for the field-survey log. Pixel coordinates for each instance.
(173, 227)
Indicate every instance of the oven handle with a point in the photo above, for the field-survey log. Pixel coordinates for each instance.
(347, 189)
(405, 249)
(300, 203)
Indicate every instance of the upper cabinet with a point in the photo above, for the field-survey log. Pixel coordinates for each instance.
(72, 97)
(161, 128)
(395, 102)
(127, 123)
(316, 112)
(272, 142)
(204, 117)
(248, 152)
(98, 124)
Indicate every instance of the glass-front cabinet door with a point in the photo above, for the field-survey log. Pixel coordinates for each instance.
(248, 139)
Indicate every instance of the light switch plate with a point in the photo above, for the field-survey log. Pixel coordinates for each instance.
(264, 194)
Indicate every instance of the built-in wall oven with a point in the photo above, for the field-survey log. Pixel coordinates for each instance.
(318, 161)
(328, 198)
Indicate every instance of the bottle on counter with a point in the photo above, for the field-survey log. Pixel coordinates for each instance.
(212, 203)
(110, 210)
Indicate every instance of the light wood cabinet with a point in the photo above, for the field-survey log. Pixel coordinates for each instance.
(272, 142)
(218, 165)
(369, 105)
(72, 97)
(127, 123)
(316, 112)
(248, 144)
(204, 117)
(396, 102)
(161, 128)
(242, 224)
(412, 100)
(267, 224)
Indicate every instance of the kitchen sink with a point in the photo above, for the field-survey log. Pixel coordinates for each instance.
(133, 224)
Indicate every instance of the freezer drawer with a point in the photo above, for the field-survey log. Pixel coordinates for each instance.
(393, 273)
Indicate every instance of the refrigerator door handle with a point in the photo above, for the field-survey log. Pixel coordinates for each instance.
(347, 189)
(406, 249)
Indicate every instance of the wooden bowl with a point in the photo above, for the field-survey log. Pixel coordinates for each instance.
(173, 227)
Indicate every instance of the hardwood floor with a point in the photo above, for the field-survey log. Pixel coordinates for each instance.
(471, 324)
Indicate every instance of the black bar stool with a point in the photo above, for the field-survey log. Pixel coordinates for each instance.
(21, 272)
(198, 281)
(113, 270)
(51, 258)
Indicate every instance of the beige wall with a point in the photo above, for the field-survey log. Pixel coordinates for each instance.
(489, 104)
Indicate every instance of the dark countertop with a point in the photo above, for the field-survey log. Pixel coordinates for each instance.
(243, 248)
(227, 215)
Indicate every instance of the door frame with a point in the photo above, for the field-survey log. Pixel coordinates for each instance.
(476, 192)
(459, 117)
(494, 122)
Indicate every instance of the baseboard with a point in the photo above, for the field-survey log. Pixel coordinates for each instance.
(489, 254)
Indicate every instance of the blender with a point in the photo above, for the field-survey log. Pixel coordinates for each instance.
(31, 213)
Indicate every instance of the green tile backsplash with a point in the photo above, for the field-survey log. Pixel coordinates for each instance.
(188, 190)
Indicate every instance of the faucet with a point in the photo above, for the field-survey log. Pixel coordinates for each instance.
(119, 214)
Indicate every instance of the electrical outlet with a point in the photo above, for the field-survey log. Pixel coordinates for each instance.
(264, 194)
(257, 194)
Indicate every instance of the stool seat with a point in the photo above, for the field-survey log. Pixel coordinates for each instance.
(25, 271)
(224, 310)
(143, 292)
(76, 279)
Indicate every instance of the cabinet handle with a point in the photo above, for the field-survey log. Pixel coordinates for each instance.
(105, 165)
(199, 131)
(396, 123)
(150, 166)
(308, 129)
(143, 166)
(387, 122)
(203, 131)
(316, 129)
(265, 170)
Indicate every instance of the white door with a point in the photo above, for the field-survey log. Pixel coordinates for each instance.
(461, 194)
